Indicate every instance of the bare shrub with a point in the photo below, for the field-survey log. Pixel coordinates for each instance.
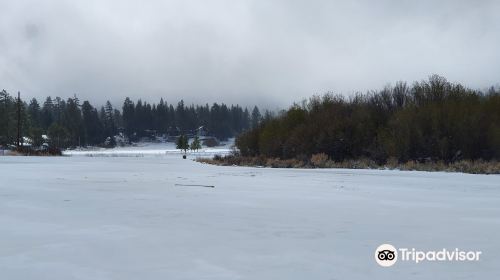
(392, 163)
(319, 160)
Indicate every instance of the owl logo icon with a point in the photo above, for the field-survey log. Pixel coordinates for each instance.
(386, 255)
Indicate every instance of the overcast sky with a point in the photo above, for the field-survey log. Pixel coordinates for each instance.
(269, 52)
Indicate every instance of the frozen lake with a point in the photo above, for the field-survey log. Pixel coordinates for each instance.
(133, 218)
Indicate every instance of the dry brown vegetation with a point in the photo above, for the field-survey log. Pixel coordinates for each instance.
(320, 161)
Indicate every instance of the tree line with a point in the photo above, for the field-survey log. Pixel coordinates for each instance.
(70, 123)
(431, 120)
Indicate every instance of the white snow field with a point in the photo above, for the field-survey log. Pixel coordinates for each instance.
(152, 149)
(128, 218)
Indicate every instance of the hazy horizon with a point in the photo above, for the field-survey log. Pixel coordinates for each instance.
(246, 52)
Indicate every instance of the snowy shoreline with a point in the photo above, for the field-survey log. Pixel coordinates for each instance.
(150, 149)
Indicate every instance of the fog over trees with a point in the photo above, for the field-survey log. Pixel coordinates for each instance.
(70, 123)
(427, 121)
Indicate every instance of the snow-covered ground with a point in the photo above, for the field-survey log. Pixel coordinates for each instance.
(152, 149)
(135, 218)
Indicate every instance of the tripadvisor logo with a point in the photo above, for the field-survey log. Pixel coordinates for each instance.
(387, 255)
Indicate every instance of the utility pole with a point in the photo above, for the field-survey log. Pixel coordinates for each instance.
(18, 119)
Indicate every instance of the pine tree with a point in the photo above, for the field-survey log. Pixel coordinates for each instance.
(47, 114)
(108, 120)
(72, 121)
(34, 113)
(256, 117)
(196, 144)
(92, 125)
(128, 113)
(182, 143)
(7, 120)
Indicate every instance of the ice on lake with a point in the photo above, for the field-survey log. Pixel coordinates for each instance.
(81, 217)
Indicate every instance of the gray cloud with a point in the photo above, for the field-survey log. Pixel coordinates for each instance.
(266, 52)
